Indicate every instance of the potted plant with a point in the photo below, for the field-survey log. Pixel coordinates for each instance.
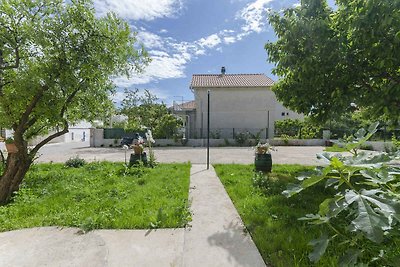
(10, 145)
(264, 148)
(138, 148)
(263, 159)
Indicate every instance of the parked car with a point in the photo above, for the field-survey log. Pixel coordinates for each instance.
(127, 140)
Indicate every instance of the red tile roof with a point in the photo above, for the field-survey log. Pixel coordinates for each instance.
(230, 80)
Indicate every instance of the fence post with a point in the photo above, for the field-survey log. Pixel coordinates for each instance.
(384, 132)
(233, 133)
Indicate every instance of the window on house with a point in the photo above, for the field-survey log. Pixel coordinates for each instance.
(283, 113)
(287, 113)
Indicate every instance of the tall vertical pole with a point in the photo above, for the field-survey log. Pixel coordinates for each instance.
(208, 129)
(267, 131)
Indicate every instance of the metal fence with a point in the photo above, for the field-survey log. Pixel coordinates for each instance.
(231, 133)
(382, 134)
(118, 133)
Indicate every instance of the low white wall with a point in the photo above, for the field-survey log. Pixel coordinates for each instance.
(376, 145)
(37, 140)
(380, 146)
(298, 142)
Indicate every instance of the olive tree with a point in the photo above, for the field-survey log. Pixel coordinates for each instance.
(57, 60)
(144, 111)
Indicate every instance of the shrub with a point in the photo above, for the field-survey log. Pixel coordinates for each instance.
(226, 142)
(241, 138)
(396, 143)
(298, 129)
(362, 215)
(288, 127)
(268, 184)
(75, 162)
(215, 134)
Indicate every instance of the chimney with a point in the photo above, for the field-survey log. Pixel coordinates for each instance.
(223, 71)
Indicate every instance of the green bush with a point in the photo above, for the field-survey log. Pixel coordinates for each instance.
(241, 138)
(75, 162)
(396, 143)
(296, 128)
(289, 127)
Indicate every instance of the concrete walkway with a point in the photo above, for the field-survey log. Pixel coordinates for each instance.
(216, 238)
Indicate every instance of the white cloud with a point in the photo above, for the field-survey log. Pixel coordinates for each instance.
(158, 53)
(255, 16)
(150, 40)
(170, 57)
(162, 66)
(210, 41)
(139, 9)
(200, 52)
(229, 40)
(120, 95)
(165, 67)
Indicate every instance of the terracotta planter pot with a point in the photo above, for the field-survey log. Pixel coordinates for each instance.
(11, 148)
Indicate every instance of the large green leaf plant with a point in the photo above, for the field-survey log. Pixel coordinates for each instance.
(362, 216)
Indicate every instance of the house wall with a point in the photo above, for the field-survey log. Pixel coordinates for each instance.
(243, 109)
(282, 113)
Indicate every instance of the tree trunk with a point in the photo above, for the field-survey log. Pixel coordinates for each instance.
(17, 166)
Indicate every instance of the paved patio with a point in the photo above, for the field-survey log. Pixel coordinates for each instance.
(196, 155)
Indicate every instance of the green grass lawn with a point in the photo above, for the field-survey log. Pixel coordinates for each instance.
(335, 148)
(271, 218)
(100, 195)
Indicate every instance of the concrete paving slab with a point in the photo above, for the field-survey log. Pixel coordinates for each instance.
(217, 236)
(161, 247)
(51, 246)
(54, 246)
(197, 155)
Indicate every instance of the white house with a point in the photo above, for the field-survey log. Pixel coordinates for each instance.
(238, 103)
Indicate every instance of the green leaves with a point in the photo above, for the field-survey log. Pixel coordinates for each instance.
(320, 246)
(292, 189)
(143, 111)
(67, 57)
(358, 41)
(365, 206)
(367, 220)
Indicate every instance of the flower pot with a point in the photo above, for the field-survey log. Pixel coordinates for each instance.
(11, 148)
(137, 149)
(263, 162)
(136, 158)
(262, 150)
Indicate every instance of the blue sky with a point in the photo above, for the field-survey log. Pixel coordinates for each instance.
(186, 37)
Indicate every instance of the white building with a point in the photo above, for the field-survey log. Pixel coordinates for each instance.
(238, 103)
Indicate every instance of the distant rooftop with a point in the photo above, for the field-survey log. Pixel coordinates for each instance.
(230, 80)
(186, 106)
